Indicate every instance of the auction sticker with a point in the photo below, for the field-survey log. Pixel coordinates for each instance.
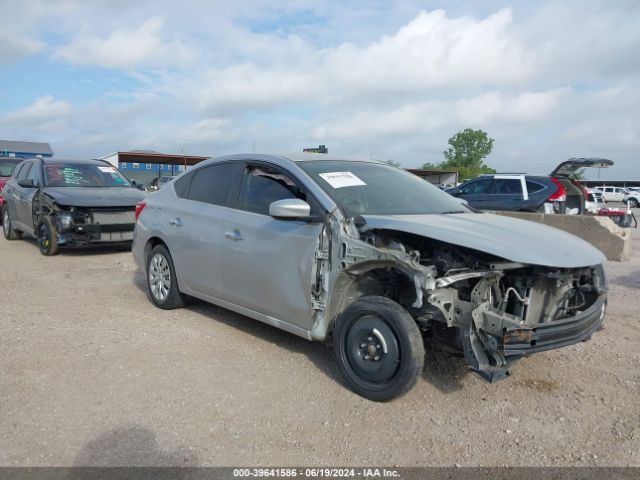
(341, 179)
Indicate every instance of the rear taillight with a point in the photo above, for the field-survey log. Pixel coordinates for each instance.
(560, 195)
(139, 207)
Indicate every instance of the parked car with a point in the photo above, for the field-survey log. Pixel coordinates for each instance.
(70, 203)
(7, 165)
(159, 182)
(613, 194)
(632, 199)
(595, 201)
(371, 258)
(558, 192)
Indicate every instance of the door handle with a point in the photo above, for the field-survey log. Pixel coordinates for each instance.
(235, 235)
(175, 221)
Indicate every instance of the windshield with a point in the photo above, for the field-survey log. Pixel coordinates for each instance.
(363, 188)
(8, 165)
(83, 175)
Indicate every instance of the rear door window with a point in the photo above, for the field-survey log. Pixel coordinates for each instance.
(507, 186)
(213, 184)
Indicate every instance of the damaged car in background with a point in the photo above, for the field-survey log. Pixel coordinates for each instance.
(69, 203)
(370, 258)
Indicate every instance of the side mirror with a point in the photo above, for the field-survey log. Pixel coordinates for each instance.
(291, 208)
(26, 183)
(463, 202)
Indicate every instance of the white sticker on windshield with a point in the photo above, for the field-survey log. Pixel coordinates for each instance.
(106, 169)
(341, 179)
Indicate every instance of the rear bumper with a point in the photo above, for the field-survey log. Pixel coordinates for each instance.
(556, 334)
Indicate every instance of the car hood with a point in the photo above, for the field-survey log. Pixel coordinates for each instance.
(95, 196)
(509, 238)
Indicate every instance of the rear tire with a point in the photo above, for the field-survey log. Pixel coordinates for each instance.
(7, 226)
(379, 348)
(47, 236)
(162, 283)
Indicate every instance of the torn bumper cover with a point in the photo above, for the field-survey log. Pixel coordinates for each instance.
(559, 333)
(82, 228)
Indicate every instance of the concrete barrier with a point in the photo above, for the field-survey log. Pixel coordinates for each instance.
(601, 232)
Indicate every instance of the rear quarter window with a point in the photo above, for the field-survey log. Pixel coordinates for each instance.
(181, 186)
(534, 187)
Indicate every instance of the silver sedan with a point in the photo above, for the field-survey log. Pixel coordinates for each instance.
(370, 258)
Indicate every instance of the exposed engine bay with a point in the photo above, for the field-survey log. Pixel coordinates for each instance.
(83, 226)
(492, 310)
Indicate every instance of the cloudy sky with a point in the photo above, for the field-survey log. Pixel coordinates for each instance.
(381, 79)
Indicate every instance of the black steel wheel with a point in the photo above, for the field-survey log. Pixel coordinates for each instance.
(47, 236)
(379, 348)
(7, 227)
(162, 283)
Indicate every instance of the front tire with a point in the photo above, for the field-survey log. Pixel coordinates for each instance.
(162, 283)
(632, 202)
(379, 348)
(47, 237)
(7, 226)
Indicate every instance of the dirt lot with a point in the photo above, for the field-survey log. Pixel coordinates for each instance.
(92, 374)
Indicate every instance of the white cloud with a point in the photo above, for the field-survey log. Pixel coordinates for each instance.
(128, 48)
(16, 44)
(481, 111)
(45, 114)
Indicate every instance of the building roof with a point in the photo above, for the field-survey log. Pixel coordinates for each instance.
(37, 148)
(148, 156)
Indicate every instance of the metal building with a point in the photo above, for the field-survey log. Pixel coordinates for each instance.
(19, 149)
(145, 165)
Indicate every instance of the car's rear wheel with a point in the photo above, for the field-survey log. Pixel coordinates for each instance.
(7, 227)
(379, 348)
(47, 236)
(162, 283)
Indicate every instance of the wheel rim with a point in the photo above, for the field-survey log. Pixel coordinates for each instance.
(159, 277)
(634, 203)
(44, 237)
(5, 223)
(372, 351)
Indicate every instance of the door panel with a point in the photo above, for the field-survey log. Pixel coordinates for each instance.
(267, 265)
(194, 241)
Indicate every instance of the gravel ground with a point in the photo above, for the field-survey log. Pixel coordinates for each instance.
(92, 374)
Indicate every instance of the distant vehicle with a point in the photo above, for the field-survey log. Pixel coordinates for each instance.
(158, 183)
(632, 199)
(69, 203)
(595, 201)
(7, 165)
(558, 192)
(613, 194)
(370, 258)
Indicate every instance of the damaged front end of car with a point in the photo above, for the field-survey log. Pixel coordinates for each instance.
(491, 309)
(84, 226)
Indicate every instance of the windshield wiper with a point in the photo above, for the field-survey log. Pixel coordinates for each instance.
(452, 212)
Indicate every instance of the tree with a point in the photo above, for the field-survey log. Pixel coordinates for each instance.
(466, 154)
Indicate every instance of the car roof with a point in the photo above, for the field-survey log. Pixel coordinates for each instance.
(88, 161)
(292, 157)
